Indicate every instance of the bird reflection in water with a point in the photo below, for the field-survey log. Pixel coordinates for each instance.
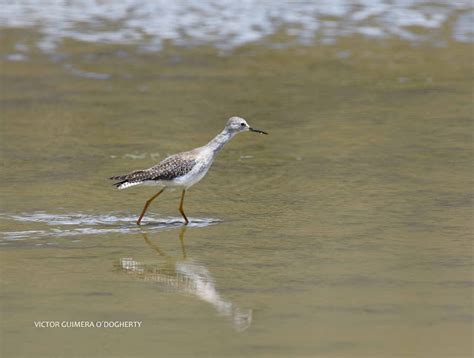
(188, 277)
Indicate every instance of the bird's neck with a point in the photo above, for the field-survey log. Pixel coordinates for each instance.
(218, 142)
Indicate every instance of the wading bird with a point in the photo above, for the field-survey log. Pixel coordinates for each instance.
(185, 169)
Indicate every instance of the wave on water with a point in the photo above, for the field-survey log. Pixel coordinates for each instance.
(228, 24)
(80, 224)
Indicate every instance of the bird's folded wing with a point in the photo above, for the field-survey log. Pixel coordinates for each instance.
(172, 167)
(169, 169)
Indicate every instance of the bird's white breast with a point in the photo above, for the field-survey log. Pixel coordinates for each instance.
(203, 163)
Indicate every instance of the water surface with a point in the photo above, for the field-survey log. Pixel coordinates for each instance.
(345, 232)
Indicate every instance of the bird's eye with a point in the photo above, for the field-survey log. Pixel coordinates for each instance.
(242, 124)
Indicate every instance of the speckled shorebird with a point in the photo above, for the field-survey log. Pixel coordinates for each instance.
(185, 169)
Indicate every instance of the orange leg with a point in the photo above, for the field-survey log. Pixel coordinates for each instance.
(186, 221)
(148, 204)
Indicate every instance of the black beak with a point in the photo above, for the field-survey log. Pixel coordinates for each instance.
(257, 130)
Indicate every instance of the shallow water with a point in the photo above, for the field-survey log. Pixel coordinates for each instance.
(345, 232)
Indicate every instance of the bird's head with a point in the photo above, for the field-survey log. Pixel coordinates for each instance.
(237, 124)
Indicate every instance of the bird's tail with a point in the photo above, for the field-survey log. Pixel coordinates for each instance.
(128, 180)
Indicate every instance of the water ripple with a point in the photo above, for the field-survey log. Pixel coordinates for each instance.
(80, 224)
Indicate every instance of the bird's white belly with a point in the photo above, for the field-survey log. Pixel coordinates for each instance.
(194, 176)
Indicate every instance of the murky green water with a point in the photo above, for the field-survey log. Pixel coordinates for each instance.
(345, 232)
